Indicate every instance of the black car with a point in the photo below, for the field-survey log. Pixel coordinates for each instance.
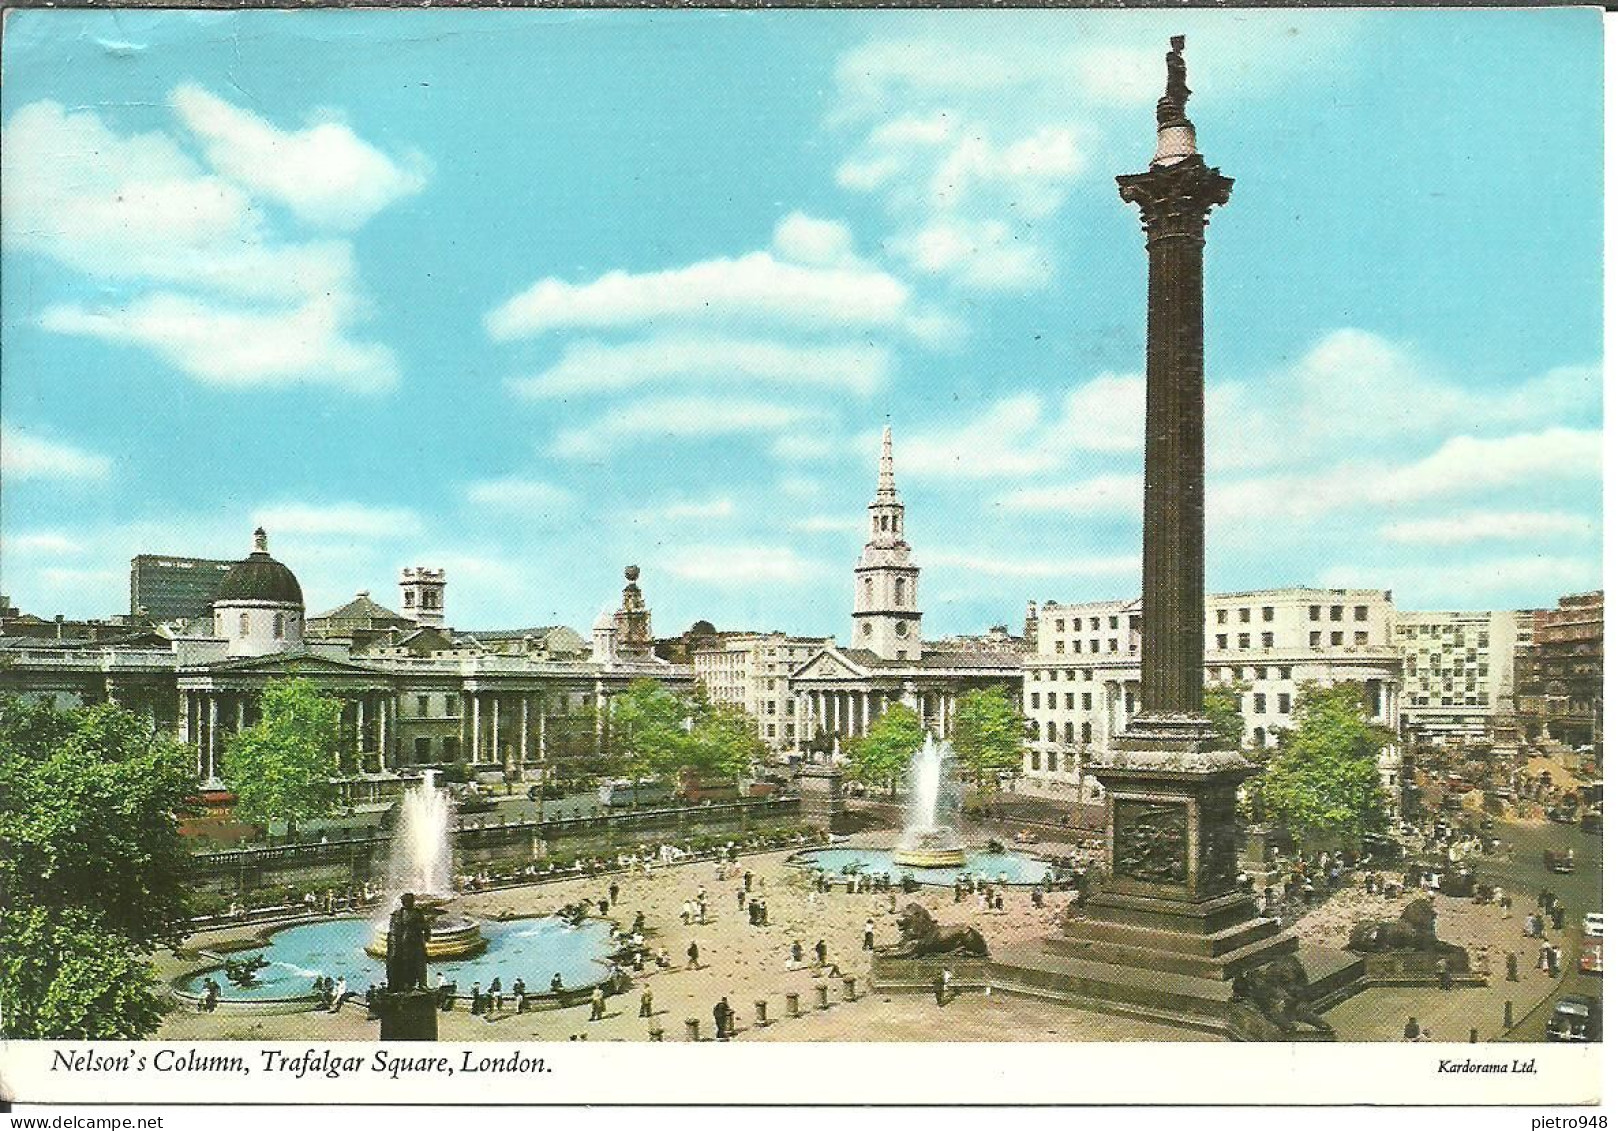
(1576, 1018)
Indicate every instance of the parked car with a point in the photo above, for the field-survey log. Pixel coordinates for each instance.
(1577, 1017)
(1592, 925)
(1561, 862)
(1590, 956)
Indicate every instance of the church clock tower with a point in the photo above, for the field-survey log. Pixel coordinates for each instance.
(887, 617)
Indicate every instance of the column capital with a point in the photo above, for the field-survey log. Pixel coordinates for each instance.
(1175, 200)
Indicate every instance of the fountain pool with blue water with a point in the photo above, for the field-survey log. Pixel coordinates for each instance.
(1012, 868)
(530, 949)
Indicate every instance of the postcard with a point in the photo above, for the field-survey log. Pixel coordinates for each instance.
(549, 548)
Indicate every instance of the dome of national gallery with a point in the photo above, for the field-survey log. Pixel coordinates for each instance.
(259, 577)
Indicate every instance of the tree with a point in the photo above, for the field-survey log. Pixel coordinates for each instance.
(647, 730)
(282, 765)
(1323, 784)
(92, 801)
(725, 741)
(883, 755)
(988, 735)
(1222, 704)
(94, 872)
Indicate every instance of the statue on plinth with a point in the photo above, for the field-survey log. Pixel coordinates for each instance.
(407, 947)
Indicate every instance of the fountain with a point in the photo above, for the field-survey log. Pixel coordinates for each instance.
(930, 839)
(420, 862)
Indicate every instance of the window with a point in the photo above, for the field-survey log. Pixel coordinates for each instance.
(452, 749)
(1112, 645)
(1085, 700)
(1244, 615)
(241, 625)
(1283, 673)
(1362, 638)
(1084, 732)
(1258, 703)
(1221, 642)
(1050, 700)
(1069, 700)
(1267, 613)
(1033, 700)
(1095, 624)
(1061, 625)
(1050, 761)
(424, 746)
(1033, 760)
(1362, 612)
(1219, 616)
(1337, 612)
(865, 628)
(1283, 703)
(1243, 641)
(410, 598)
(1061, 647)
(902, 628)
(1067, 762)
(1050, 736)
(769, 707)
(1258, 737)
(1314, 612)
(452, 704)
(1267, 640)
(1067, 732)
(1095, 645)
(1314, 640)
(280, 625)
(422, 709)
(1336, 639)
(769, 731)
(1129, 702)
(792, 708)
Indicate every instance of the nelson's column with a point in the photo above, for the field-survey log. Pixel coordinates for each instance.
(1169, 930)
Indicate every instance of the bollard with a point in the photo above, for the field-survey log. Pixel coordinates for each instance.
(822, 995)
(761, 1012)
(1473, 1038)
(792, 1005)
(848, 988)
(692, 1032)
(1508, 1015)
(655, 1032)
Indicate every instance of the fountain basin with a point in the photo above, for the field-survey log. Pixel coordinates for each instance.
(1015, 869)
(533, 949)
(928, 857)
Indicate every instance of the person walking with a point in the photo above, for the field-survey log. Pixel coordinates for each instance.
(1444, 980)
(820, 952)
(598, 1004)
(612, 893)
(1511, 967)
(741, 899)
(721, 1019)
(519, 991)
(870, 934)
(497, 996)
(1412, 1030)
(691, 955)
(646, 1002)
(939, 986)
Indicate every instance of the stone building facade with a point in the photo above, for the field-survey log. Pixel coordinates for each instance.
(753, 670)
(1460, 671)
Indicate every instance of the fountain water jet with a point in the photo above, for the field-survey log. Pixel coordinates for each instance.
(930, 838)
(420, 862)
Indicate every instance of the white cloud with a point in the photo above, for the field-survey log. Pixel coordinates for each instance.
(680, 418)
(807, 447)
(24, 455)
(1419, 586)
(1101, 494)
(591, 366)
(743, 564)
(517, 493)
(757, 287)
(237, 300)
(822, 243)
(352, 520)
(238, 347)
(1489, 526)
(801, 487)
(985, 254)
(325, 174)
(1002, 565)
(43, 542)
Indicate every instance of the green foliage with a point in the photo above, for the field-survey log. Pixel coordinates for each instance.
(1323, 783)
(988, 735)
(883, 755)
(1222, 704)
(282, 765)
(92, 801)
(93, 869)
(63, 976)
(646, 730)
(725, 741)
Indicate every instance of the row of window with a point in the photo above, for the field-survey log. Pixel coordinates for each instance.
(1260, 671)
(1095, 623)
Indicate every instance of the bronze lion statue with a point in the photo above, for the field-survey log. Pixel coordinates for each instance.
(1279, 991)
(920, 936)
(1414, 931)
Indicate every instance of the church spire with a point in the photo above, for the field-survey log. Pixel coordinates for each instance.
(885, 489)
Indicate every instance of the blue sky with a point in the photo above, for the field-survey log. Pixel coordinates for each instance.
(533, 295)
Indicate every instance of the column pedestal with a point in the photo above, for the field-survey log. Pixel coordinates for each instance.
(410, 1016)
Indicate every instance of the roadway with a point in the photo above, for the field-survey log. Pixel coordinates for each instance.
(1524, 875)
